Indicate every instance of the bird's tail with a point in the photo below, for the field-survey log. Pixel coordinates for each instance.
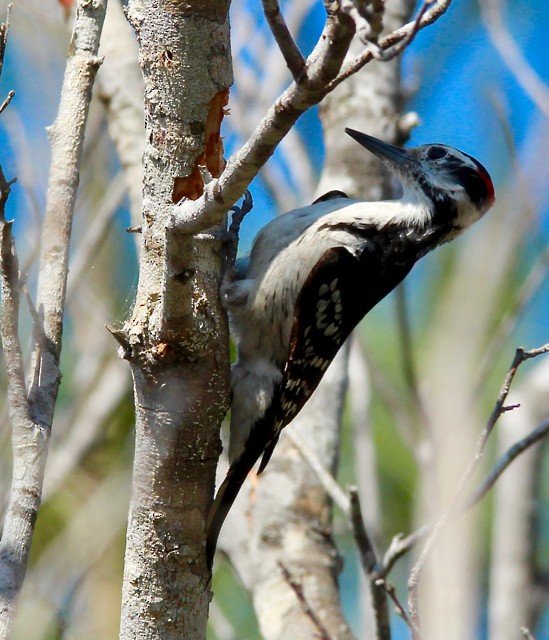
(259, 441)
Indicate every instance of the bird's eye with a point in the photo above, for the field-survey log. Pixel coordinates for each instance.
(435, 153)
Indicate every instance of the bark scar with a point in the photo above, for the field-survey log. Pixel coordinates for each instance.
(192, 186)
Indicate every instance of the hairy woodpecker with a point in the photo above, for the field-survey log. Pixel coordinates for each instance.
(314, 273)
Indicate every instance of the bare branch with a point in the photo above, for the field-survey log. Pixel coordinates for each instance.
(430, 16)
(323, 65)
(505, 460)
(325, 72)
(288, 47)
(525, 633)
(31, 423)
(390, 54)
(8, 99)
(520, 356)
(401, 611)
(307, 609)
(67, 139)
(370, 566)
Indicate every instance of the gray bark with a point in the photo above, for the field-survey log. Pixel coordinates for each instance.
(177, 339)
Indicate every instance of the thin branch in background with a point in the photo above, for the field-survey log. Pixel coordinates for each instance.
(370, 565)
(413, 582)
(430, 16)
(4, 29)
(510, 53)
(397, 49)
(400, 610)
(393, 401)
(326, 69)
(327, 480)
(350, 506)
(525, 633)
(538, 434)
(309, 612)
(9, 98)
(9, 314)
(96, 233)
(286, 43)
(32, 417)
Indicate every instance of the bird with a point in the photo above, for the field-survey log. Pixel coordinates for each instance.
(313, 273)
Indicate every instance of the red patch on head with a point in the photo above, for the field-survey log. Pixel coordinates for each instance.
(490, 191)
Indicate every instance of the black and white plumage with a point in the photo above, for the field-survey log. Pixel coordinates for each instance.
(314, 273)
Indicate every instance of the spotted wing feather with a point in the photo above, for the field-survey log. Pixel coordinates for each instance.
(340, 290)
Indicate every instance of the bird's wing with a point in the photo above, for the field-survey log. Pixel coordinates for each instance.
(338, 293)
(340, 290)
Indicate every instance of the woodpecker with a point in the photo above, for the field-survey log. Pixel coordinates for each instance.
(313, 273)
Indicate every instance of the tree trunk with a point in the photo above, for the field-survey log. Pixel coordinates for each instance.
(177, 338)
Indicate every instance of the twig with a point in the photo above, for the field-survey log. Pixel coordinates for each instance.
(370, 565)
(286, 44)
(298, 590)
(4, 28)
(350, 506)
(398, 48)
(327, 480)
(520, 356)
(505, 460)
(8, 99)
(430, 16)
(400, 610)
(401, 545)
(326, 69)
(526, 634)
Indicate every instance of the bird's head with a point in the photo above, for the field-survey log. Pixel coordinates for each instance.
(454, 182)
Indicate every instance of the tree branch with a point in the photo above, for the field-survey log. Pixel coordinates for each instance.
(430, 16)
(286, 43)
(31, 420)
(323, 65)
(307, 609)
(505, 460)
(67, 140)
(9, 318)
(413, 582)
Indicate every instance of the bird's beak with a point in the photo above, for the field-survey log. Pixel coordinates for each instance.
(383, 150)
